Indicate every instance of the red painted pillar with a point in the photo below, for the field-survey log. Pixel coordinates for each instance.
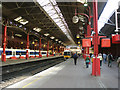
(89, 27)
(4, 44)
(53, 50)
(40, 49)
(27, 54)
(47, 48)
(96, 69)
(58, 49)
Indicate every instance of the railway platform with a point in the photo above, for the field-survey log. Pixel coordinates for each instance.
(18, 61)
(68, 75)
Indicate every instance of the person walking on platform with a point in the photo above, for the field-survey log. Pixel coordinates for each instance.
(118, 61)
(75, 58)
(104, 58)
(110, 58)
(100, 56)
(87, 60)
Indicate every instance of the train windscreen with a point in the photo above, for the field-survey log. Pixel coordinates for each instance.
(66, 53)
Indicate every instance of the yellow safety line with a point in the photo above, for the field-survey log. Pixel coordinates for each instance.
(31, 82)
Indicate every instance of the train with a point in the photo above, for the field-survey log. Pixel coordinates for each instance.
(17, 52)
(70, 50)
(67, 54)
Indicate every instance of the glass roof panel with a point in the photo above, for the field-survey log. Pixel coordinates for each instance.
(52, 9)
(108, 11)
(43, 2)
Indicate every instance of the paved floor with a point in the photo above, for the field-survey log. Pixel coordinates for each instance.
(67, 75)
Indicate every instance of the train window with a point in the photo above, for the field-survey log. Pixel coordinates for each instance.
(8, 52)
(0, 52)
(23, 53)
(37, 53)
(43, 52)
(31, 53)
(18, 52)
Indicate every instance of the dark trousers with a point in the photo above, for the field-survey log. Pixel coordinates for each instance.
(75, 61)
(109, 63)
(87, 64)
(100, 62)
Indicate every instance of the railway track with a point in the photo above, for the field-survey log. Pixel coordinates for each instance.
(31, 68)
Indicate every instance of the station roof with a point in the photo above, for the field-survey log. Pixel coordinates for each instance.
(38, 22)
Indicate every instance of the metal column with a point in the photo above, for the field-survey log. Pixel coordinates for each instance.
(40, 49)
(4, 44)
(27, 54)
(96, 61)
(47, 48)
(53, 49)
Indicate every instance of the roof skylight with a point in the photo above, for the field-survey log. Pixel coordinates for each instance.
(52, 37)
(21, 20)
(52, 9)
(47, 34)
(107, 13)
(37, 29)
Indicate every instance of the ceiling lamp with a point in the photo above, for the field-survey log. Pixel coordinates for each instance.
(56, 40)
(81, 28)
(52, 37)
(75, 19)
(85, 4)
(21, 42)
(46, 34)
(78, 36)
(78, 42)
(33, 42)
(59, 41)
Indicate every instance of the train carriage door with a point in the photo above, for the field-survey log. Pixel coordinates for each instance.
(13, 53)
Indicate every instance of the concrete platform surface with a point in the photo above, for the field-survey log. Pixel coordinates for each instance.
(18, 61)
(67, 75)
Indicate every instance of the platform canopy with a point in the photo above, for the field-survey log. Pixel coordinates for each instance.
(49, 19)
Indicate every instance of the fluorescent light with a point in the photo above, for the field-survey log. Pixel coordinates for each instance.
(24, 22)
(46, 34)
(18, 18)
(19, 35)
(107, 13)
(52, 37)
(37, 29)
